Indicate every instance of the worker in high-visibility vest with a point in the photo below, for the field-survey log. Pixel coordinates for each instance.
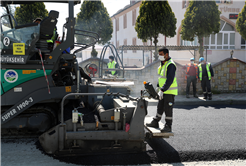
(205, 74)
(112, 65)
(191, 77)
(168, 85)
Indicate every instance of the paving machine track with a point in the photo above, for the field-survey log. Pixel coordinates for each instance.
(32, 123)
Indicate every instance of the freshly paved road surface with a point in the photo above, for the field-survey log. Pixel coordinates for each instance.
(203, 135)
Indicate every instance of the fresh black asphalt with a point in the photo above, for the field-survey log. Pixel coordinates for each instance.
(201, 133)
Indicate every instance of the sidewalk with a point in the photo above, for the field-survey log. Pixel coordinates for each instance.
(224, 98)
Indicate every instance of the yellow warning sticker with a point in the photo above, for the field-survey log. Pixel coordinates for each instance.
(18, 48)
(28, 71)
(112, 117)
(68, 89)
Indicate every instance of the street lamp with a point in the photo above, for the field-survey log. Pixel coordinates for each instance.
(231, 53)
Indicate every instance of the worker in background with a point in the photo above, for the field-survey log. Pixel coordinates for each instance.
(205, 74)
(112, 65)
(167, 83)
(191, 77)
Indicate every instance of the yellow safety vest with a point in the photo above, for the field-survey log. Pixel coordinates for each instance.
(111, 65)
(162, 71)
(52, 38)
(208, 71)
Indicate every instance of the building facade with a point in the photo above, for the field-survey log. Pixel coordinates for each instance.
(219, 45)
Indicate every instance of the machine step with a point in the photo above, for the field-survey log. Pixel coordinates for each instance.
(156, 132)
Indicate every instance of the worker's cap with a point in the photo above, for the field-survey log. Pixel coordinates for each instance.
(111, 57)
(37, 19)
(192, 59)
(201, 59)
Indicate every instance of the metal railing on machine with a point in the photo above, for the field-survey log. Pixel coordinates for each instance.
(90, 35)
(102, 58)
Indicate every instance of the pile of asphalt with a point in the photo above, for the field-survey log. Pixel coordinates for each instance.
(153, 155)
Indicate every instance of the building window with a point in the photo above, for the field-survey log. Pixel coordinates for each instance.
(117, 24)
(145, 43)
(134, 42)
(133, 1)
(189, 43)
(185, 4)
(225, 39)
(243, 43)
(125, 43)
(133, 17)
(227, 1)
(125, 21)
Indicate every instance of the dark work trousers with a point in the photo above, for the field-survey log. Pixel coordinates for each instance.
(206, 86)
(165, 105)
(191, 79)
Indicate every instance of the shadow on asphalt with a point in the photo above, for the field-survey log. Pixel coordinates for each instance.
(165, 153)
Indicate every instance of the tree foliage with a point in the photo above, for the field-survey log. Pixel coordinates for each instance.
(12, 9)
(26, 13)
(93, 16)
(241, 22)
(155, 17)
(202, 18)
(94, 53)
(5, 20)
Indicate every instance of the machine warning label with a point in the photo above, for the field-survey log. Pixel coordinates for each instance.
(18, 89)
(18, 48)
(28, 71)
(68, 89)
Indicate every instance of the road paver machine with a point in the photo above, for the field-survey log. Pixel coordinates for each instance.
(45, 92)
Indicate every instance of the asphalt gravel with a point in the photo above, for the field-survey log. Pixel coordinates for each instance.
(202, 134)
(27, 152)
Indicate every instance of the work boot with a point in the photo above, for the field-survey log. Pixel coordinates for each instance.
(187, 96)
(166, 129)
(154, 124)
(205, 95)
(210, 96)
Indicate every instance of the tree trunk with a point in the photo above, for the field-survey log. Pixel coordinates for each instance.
(151, 51)
(156, 51)
(200, 41)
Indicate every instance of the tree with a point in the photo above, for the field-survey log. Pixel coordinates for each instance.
(241, 22)
(26, 13)
(93, 16)
(5, 20)
(12, 9)
(155, 17)
(94, 53)
(201, 19)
